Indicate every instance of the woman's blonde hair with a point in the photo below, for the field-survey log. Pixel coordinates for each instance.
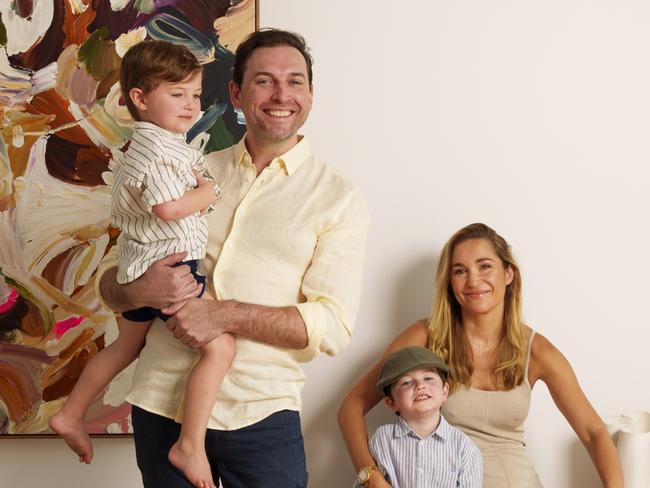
(445, 329)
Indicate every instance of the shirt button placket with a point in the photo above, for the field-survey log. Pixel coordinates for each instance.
(419, 459)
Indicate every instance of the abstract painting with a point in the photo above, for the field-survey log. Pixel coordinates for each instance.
(63, 123)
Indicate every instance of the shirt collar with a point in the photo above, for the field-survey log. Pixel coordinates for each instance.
(160, 130)
(401, 429)
(290, 160)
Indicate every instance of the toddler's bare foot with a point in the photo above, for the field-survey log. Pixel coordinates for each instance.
(193, 463)
(74, 434)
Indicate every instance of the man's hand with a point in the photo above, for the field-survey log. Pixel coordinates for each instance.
(197, 322)
(164, 284)
(201, 320)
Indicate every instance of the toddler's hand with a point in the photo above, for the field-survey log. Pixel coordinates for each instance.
(200, 178)
(209, 187)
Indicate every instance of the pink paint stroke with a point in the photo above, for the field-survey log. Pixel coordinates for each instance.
(10, 302)
(97, 422)
(64, 326)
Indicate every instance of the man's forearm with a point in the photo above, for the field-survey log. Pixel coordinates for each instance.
(278, 326)
(114, 294)
(163, 284)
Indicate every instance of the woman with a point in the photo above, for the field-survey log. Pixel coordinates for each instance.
(494, 361)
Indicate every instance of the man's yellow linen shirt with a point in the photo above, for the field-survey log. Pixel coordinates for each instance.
(295, 235)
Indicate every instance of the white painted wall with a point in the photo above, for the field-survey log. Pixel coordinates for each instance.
(530, 116)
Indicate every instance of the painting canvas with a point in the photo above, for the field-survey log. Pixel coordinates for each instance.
(64, 122)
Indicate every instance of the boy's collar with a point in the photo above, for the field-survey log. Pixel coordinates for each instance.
(402, 428)
(149, 125)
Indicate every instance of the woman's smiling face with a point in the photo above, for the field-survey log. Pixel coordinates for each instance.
(478, 277)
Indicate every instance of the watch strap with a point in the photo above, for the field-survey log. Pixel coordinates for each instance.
(365, 473)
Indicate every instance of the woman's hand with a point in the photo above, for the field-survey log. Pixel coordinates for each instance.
(377, 481)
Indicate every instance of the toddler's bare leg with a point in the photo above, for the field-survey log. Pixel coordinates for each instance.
(98, 373)
(188, 453)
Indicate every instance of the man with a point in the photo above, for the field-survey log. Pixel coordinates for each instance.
(285, 260)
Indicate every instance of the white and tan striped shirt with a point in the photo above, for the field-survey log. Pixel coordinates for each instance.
(156, 168)
(445, 459)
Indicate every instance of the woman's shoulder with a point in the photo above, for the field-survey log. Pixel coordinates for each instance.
(543, 355)
(418, 330)
(541, 346)
(415, 334)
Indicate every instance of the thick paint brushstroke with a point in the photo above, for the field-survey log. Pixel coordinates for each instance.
(117, 22)
(24, 32)
(105, 85)
(82, 88)
(64, 326)
(51, 103)
(98, 55)
(102, 419)
(48, 48)
(18, 156)
(79, 164)
(33, 327)
(9, 302)
(200, 13)
(64, 372)
(11, 316)
(3, 32)
(72, 268)
(37, 321)
(234, 27)
(24, 8)
(209, 117)
(171, 26)
(216, 75)
(75, 27)
(19, 366)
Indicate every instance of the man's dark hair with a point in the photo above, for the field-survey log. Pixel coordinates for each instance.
(269, 38)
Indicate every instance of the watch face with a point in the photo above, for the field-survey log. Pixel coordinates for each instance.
(364, 475)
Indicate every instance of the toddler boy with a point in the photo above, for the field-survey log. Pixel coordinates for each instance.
(158, 201)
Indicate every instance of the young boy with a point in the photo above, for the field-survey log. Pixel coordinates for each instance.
(421, 449)
(158, 200)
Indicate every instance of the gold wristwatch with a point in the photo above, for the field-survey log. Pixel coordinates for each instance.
(364, 475)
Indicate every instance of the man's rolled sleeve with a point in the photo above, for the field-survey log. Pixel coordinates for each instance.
(332, 283)
(108, 261)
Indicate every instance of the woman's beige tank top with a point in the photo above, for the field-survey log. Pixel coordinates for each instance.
(494, 420)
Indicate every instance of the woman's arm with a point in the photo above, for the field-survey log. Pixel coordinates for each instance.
(364, 396)
(549, 365)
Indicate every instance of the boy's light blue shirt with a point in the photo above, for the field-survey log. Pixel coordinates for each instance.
(445, 459)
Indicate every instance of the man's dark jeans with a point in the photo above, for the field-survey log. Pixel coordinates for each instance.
(268, 454)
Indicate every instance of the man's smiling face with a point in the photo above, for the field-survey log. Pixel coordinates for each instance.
(275, 94)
